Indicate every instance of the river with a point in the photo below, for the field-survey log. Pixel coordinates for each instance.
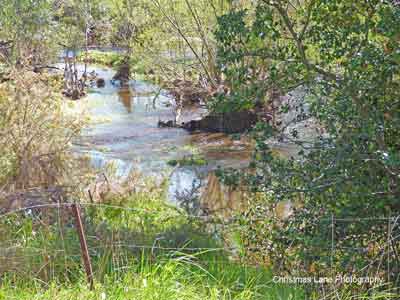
(123, 130)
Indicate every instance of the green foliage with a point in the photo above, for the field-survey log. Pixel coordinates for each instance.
(110, 59)
(192, 160)
(79, 24)
(39, 30)
(183, 47)
(27, 26)
(179, 278)
(345, 54)
(244, 56)
(43, 260)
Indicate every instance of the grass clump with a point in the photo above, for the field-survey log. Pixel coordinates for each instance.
(140, 248)
(192, 160)
(179, 278)
(194, 157)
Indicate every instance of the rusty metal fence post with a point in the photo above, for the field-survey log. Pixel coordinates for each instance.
(84, 249)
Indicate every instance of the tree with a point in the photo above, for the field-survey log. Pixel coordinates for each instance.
(346, 54)
(27, 26)
(183, 47)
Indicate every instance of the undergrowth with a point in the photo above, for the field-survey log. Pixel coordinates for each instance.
(140, 248)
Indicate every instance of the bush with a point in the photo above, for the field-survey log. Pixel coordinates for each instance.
(351, 169)
(35, 134)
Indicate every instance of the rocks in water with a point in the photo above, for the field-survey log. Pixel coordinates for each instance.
(232, 122)
(74, 94)
(100, 82)
(169, 123)
(123, 73)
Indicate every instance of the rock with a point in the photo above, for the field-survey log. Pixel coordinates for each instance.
(123, 73)
(100, 83)
(192, 125)
(169, 123)
(233, 122)
(75, 95)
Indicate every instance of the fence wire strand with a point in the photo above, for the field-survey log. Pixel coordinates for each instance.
(99, 245)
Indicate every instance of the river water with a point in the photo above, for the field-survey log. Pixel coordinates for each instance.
(123, 130)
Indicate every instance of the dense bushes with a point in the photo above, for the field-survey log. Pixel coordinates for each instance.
(35, 134)
(346, 54)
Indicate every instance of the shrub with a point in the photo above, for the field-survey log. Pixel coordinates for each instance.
(35, 134)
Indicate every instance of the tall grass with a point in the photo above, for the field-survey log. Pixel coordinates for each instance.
(40, 256)
(175, 279)
(379, 292)
(35, 134)
(180, 259)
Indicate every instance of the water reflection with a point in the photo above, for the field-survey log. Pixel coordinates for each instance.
(123, 130)
(125, 96)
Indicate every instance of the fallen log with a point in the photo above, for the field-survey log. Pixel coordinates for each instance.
(232, 122)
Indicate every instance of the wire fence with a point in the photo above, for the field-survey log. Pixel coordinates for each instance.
(50, 240)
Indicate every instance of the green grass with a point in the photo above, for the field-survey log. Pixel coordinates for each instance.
(192, 160)
(114, 60)
(45, 261)
(40, 257)
(110, 59)
(174, 279)
(183, 260)
(194, 157)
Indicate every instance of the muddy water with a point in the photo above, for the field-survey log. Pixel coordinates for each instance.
(123, 131)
